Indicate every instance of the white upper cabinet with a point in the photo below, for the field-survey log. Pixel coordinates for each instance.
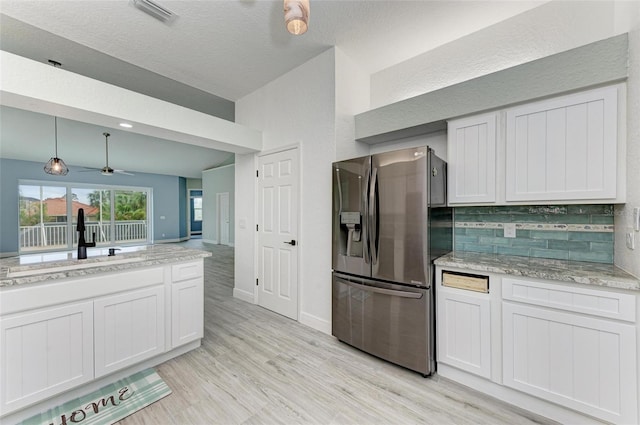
(472, 159)
(563, 148)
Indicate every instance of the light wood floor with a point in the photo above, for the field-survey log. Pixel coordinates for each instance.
(257, 367)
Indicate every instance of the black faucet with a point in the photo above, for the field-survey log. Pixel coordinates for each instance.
(82, 244)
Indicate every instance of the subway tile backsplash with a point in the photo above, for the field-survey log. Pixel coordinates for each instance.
(566, 232)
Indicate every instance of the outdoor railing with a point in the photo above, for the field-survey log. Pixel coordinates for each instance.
(54, 235)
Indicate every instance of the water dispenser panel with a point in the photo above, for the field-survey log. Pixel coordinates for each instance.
(350, 217)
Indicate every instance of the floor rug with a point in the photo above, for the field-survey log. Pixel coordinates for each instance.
(109, 404)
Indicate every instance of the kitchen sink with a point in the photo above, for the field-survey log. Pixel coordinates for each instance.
(35, 269)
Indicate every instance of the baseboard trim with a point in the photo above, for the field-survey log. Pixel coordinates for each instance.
(243, 295)
(8, 254)
(210, 241)
(521, 400)
(171, 240)
(315, 322)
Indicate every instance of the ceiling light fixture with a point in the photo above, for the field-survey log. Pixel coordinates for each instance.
(154, 9)
(56, 166)
(125, 125)
(296, 16)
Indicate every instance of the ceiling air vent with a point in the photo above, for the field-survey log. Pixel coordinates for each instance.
(155, 10)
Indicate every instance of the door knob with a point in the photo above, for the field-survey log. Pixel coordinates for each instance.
(292, 243)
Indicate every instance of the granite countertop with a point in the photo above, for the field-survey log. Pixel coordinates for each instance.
(567, 271)
(34, 268)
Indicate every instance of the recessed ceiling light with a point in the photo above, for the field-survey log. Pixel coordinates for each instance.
(125, 125)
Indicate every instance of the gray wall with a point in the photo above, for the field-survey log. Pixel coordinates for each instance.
(214, 181)
(166, 201)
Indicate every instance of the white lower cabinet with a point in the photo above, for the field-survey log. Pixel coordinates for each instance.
(129, 328)
(111, 322)
(186, 312)
(44, 352)
(563, 350)
(187, 303)
(464, 330)
(586, 362)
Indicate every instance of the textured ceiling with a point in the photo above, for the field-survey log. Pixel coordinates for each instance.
(216, 52)
(230, 48)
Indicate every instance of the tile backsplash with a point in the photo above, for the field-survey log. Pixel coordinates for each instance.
(566, 232)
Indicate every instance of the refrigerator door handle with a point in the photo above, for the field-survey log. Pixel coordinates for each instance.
(365, 219)
(373, 216)
(391, 292)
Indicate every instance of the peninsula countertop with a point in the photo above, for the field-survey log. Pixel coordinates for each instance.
(587, 273)
(35, 268)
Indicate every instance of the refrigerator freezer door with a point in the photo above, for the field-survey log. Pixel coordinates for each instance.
(350, 237)
(398, 211)
(386, 320)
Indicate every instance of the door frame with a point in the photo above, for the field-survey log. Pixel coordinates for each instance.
(189, 198)
(219, 220)
(256, 210)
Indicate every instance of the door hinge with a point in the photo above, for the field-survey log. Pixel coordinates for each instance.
(256, 173)
(256, 281)
(256, 227)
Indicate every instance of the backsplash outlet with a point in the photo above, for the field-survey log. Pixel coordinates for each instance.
(565, 232)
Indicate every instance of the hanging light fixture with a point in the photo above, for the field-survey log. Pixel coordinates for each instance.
(56, 166)
(296, 16)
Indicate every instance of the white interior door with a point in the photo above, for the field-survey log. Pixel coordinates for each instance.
(277, 232)
(223, 218)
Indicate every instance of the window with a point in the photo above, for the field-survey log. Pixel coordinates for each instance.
(197, 209)
(113, 215)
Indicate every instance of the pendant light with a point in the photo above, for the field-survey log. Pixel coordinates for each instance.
(56, 166)
(296, 16)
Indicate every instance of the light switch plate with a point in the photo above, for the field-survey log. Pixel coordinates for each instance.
(509, 230)
(636, 219)
(631, 239)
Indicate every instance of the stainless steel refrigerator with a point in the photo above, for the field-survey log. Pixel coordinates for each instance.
(390, 221)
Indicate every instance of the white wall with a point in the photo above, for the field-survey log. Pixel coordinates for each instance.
(298, 108)
(215, 181)
(543, 31)
(352, 97)
(629, 17)
(551, 28)
(312, 106)
(245, 224)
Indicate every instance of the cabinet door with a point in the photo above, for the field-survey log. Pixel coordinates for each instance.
(187, 311)
(583, 363)
(472, 159)
(43, 353)
(129, 328)
(563, 148)
(464, 331)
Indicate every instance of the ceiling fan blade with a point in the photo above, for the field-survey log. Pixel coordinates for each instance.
(87, 170)
(124, 172)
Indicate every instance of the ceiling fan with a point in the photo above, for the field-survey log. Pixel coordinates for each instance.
(106, 170)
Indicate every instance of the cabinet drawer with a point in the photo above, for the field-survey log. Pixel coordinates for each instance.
(186, 271)
(601, 303)
(465, 281)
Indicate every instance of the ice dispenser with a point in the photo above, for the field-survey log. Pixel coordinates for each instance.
(351, 222)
